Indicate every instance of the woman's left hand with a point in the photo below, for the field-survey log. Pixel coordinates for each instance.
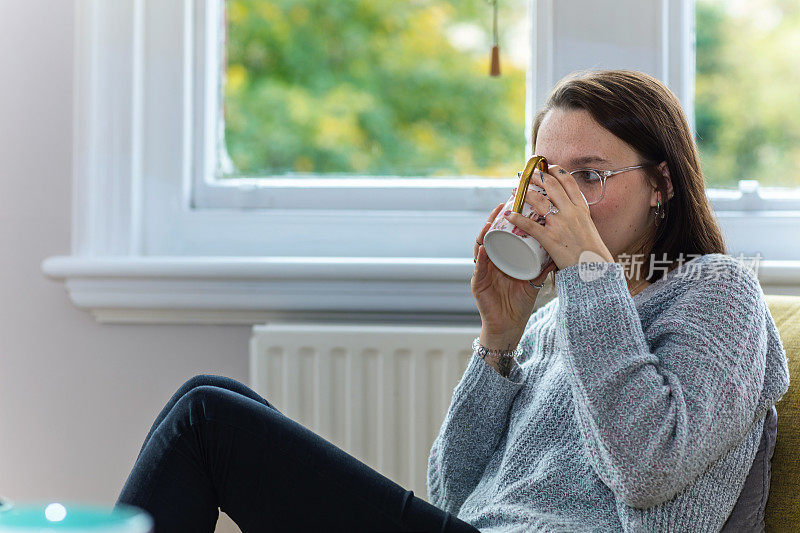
(569, 232)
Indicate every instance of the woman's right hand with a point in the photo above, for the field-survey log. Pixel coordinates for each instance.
(504, 303)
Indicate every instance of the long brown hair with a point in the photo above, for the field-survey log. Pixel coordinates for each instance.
(644, 113)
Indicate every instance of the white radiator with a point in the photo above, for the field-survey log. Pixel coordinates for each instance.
(380, 393)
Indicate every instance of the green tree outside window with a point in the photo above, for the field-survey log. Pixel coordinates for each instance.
(373, 87)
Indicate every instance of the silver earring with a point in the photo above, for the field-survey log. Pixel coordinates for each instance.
(658, 207)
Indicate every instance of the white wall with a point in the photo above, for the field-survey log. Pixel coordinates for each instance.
(76, 397)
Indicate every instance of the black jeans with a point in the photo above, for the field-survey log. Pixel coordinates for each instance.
(218, 444)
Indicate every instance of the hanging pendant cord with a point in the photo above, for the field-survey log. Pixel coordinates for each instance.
(494, 69)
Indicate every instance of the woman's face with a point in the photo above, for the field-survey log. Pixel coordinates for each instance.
(572, 139)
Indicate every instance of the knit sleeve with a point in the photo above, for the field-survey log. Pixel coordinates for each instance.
(473, 425)
(654, 418)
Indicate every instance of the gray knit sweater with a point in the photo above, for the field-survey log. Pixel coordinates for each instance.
(623, 413)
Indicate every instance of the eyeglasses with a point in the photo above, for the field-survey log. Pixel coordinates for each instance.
(592, 182)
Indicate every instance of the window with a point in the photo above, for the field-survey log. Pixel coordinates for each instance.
(331, 105)
(174, 220)
(747, 113)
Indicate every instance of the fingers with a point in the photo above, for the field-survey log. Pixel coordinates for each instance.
(481, 266)
(482, 233)
(538, 200)
(533, 228)
(494, 212)
(555, 191)
(538, 280)
(570, 185)
(562, 188)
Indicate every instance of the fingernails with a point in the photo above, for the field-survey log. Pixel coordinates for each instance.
(506, 213)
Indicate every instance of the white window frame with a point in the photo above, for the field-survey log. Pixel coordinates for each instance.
(154, 239)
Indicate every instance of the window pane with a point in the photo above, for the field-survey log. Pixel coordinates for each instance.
(747, 109)
(373, 87)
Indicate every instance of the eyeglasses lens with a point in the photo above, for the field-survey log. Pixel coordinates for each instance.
(590, 183)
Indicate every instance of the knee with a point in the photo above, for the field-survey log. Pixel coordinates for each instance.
(198, 380)
(202, 402)
(207, 403)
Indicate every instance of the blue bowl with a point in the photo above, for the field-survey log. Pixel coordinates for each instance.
(75, 518)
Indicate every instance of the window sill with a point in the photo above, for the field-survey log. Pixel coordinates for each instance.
(250, 290)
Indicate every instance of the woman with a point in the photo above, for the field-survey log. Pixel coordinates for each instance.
(635, 400)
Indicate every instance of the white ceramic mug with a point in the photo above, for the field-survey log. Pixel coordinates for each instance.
(512, 250)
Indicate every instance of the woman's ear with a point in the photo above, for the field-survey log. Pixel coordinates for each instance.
(664, 170)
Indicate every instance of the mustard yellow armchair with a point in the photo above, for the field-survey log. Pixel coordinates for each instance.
(783, 502)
